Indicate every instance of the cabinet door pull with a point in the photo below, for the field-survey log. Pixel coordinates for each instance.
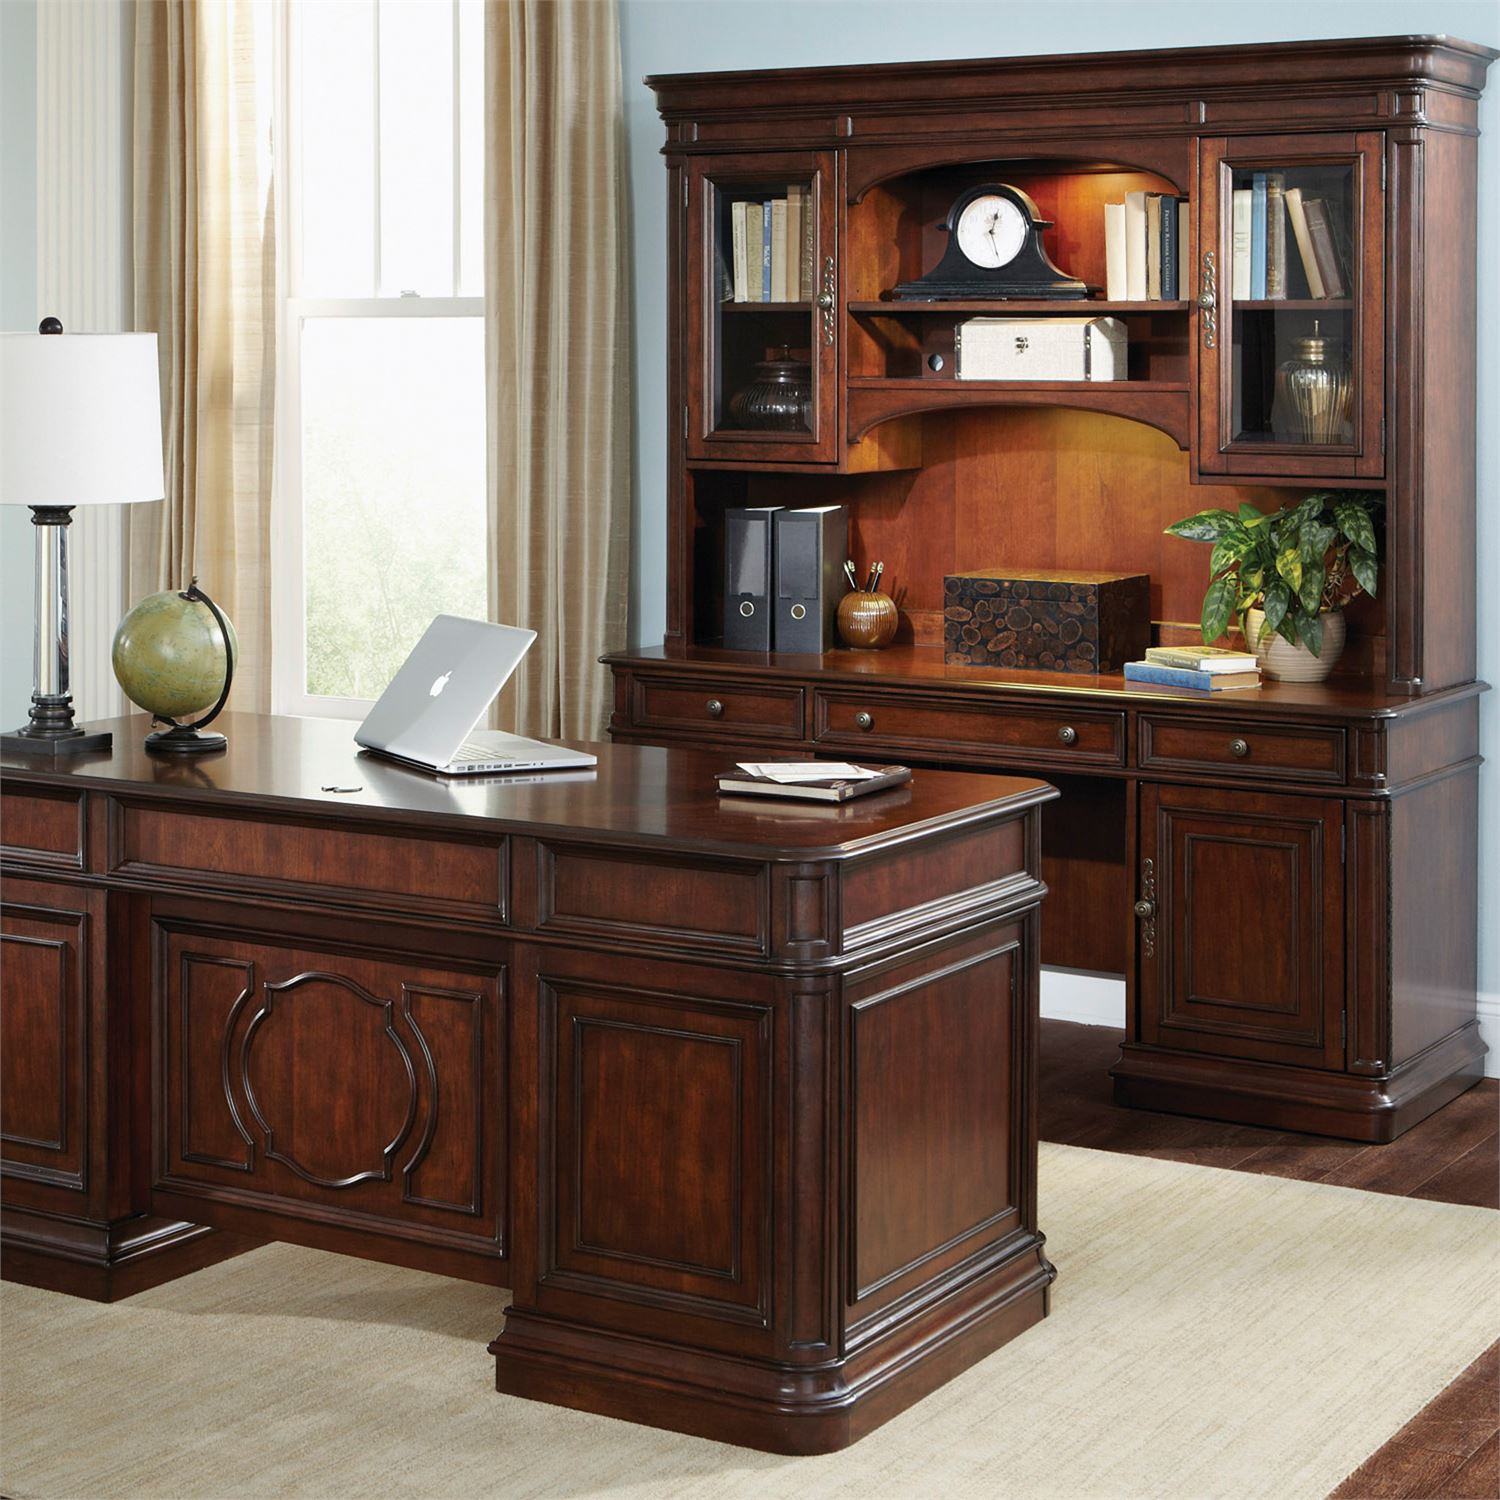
(1208, 298)
(715, 708)
(827, 302)
(1068, 735)
(1239, 748)
(1144, 909)
(862, 720)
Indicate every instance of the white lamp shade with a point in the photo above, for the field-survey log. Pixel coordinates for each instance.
(80, 419)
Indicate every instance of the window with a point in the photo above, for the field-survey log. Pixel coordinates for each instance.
(380, 458)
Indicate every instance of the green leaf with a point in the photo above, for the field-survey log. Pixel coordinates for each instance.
(1278, 599)
(1312, 506)
(1354, 521)
(1228, 551)
(1316, 540)
(1218, 605)
(1310, 594)
(1311, 631)
(1366, 569)
(1289, 565)
(1206, 526)
(1250, 515)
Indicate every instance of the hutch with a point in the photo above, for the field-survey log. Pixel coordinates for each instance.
(1286, 877)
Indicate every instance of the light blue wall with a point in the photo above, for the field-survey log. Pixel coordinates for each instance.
(669, 36)
(17, 313)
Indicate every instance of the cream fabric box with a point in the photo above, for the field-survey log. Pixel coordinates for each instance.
(1041, 349)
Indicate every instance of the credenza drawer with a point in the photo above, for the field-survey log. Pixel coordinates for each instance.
(705, 706)
(215, 852)
(1044, 735)
(1252, 748)
(43, 828)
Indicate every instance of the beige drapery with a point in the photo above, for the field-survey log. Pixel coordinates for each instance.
(204, 254)
(557, 351)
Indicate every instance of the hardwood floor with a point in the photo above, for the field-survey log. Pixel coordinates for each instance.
(1451, 1157)
(1451, 1449)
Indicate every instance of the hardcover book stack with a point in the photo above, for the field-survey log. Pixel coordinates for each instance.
(1146, 256)
(774, 246)
(1282, 231)
(1208, 669)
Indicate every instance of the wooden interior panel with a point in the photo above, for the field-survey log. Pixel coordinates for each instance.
(364, 867)
(930, 1061)
(1086, 864)
(676, 902)
(662, 1138)
(43, 827)
(40, 1033)
(313, 1079)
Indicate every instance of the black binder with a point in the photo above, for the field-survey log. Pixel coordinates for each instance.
(811, 546)
(748, 541)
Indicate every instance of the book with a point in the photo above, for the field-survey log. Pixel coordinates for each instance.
(1203, 658)
(1184, 252)
(765, 251)
(1298, 219)
(809, 278)
(1257, 236)
(754, 212)
(1114, 252)
(1325, 252)
(749, 780)
(1167, 209)
(1153, 247)
(741, 262)
(1182, 677)
(796, 198)
(778, 251)
(1135, 247)
(1276, 236)
(1239, 284)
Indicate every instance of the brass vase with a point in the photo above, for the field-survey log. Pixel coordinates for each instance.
(867, 621)
(1314, 393)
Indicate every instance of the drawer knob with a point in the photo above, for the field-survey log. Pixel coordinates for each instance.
(862, 720)
(1144, 909)
(1239, 748)
(715, 708)
(1068, 735)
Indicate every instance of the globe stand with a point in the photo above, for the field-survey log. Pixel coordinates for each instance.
(189, 739)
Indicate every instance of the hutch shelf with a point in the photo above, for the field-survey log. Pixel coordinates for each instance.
(1286, 877)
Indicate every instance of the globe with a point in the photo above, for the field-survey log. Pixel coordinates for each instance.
(169, 655)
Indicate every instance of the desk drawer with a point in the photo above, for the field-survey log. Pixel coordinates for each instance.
(1045, 735)
(43, 827)
(1245, 747)
(706, 706)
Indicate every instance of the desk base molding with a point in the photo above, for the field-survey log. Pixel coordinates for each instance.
(776, 1407)
(1279, 1097)
(107, 1261)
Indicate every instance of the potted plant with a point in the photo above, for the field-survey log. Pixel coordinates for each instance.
(1288, 575)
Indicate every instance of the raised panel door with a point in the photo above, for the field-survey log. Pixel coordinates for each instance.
(1241, 944)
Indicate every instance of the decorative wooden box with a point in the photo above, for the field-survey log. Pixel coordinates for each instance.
(1047, 621)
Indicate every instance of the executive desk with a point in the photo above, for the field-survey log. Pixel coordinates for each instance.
(736, 1096)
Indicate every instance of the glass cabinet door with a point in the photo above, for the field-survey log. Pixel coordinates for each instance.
(1291, 331)
(762, 310)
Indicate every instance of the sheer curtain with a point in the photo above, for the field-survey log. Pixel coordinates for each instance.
(557, 352)
(204, 251)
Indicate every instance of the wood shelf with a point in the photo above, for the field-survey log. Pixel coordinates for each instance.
(1293, 304)
(1092, 306)
(1163, 404)
(766, 307)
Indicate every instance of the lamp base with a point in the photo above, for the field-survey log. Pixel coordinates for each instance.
(71, 741)
(184, 739)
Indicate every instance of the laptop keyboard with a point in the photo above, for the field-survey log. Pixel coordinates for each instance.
(477, 755)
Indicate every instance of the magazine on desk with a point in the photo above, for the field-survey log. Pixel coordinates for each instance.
(809, 781)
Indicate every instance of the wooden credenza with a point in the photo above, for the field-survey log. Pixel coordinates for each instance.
(737, 1097)
(1285, 877)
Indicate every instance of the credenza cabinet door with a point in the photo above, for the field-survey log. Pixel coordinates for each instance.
(744, 403)
(1241, 938)
(1291, 315)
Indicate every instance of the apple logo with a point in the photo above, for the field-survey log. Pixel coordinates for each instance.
(439, 685)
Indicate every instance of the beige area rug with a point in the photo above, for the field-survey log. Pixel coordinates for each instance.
(1213, 1334)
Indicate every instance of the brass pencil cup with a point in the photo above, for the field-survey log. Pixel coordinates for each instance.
(867, 621)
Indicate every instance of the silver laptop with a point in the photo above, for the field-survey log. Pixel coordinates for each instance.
(427, 715)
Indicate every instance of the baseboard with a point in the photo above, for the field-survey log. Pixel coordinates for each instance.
(1489, 1031)
(1084, 996)
(1099, 1000)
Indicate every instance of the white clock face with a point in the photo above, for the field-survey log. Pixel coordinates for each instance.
(991, 231)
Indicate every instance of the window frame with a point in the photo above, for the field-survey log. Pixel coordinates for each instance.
(289, 694)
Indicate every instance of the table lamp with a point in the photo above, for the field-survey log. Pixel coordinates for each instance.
(80, 424)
